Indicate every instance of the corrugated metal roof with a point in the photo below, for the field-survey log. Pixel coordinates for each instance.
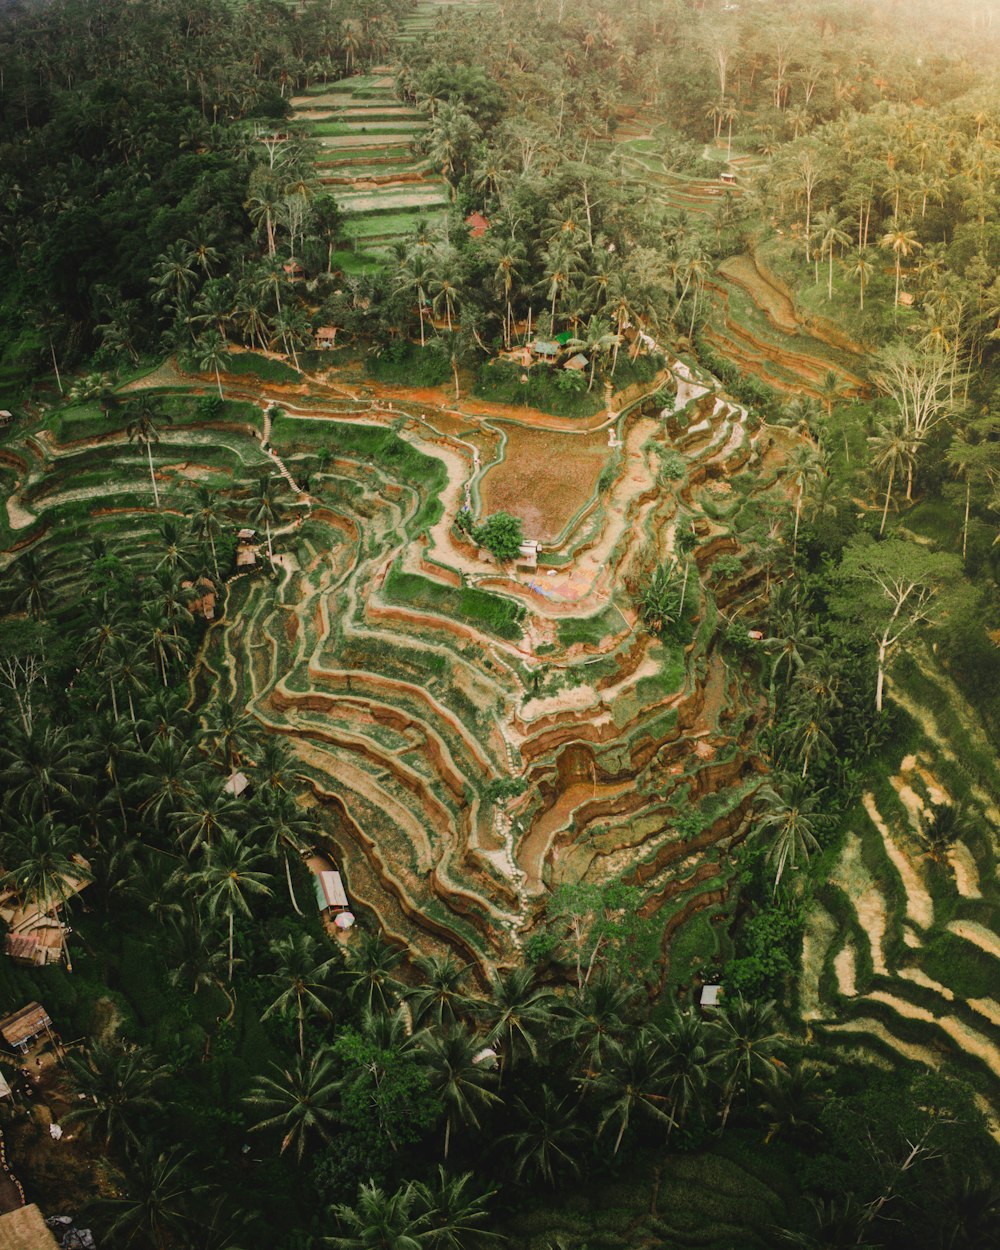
(330, 890)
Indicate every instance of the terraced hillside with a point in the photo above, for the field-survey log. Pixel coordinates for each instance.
(902, 951)
(753, 320)
(409, 677)
(366, 138)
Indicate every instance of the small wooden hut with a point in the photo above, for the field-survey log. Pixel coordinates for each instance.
(23, 1027)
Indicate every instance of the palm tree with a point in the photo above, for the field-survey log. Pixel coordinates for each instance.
(903, 244)
(196, 962)
(265, 508)
(300, 1101)
(518, 1013)
(862, 270)
(380, 1221)
(447, 293)
(43, 770)
(505, 274)
(171, 771)
(596, 1020)
(746, 1040)
(416, 275)
(142, 429)
(231, 873)
(118, 1087)
(792, 1102)
(227, 727)
(438, 1000)
(204, 519)
(685, 1060)
(370, 964)
(31, 576)
(455, 1211)
(893, 450)
(156, 1208)
(302, 976)
(803, 466)
(282, 828)
(787, 822)
(45, 866)
(173, 276)
(549, 1140)
(213, 353)
(634, 1081)
(458, 1077)
(207, 813)
(176, 554)
(155, 632)
(830, 230)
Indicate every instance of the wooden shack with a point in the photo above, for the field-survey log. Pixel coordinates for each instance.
(23, 1027)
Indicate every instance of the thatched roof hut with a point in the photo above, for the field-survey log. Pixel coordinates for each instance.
(22, 1027)
(24, 1229)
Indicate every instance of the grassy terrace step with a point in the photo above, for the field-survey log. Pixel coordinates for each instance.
(389, 200)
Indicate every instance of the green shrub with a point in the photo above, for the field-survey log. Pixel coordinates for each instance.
(406, 362)
(502, 535)
(263, 367)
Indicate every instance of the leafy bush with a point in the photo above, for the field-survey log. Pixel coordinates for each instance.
(503, 384)
(263, 367)
(502, 535)
(405, 362)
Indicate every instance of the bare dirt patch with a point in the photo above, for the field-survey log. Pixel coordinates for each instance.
(869, 903)
(978, 935)
(845, 967)
(545, 477)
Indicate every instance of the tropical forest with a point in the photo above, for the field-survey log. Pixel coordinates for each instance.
(499, 624)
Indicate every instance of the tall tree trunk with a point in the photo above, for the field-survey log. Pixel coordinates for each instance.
(152, 475)
(888, 495)
(291, 888)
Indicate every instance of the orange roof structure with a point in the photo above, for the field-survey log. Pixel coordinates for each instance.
(478, 225)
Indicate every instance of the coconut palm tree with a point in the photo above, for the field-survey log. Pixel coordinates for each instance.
(446, 293)
(213, 353)
(438, 1000)
(168, 779)
(416, 275)
(232, 873)
(265, 507)
(155, 1210)
(894, 453)
(456, 1210)
(381, 1221)
(44, 866)
(803, 467)
(459, 1076)
(302, 975)
(207, 813)
(44, 771)
(787, 823)
(746, 1041)
(204, 521)
(118, 1087)
(504, 276)
(685, 1058)
(549, 1141)
(370, 965)
(518, 1013)
(299, 1100)
(634, 1082)
(596, 1016)
(902, 243)
(862, 270)
(154, 632)
(142, 429)
(282, 828)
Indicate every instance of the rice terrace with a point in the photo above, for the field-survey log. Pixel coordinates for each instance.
(499, 639)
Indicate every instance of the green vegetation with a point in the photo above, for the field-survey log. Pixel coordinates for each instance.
(771, 760)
